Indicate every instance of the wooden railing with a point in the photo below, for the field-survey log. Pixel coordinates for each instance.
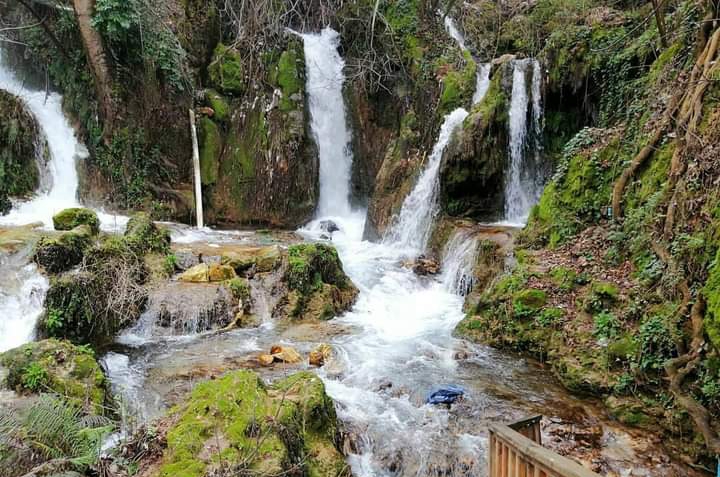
(516, 451)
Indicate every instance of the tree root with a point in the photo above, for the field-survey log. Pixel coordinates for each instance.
(679, 368)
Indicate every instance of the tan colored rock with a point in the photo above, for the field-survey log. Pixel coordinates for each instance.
(266, 359)
(320, 355)
(285, 354)
(220, 273)
(265, 259)
(197, 274)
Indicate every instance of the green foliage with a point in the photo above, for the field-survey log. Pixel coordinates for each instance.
(606, 325)
(143, 236)
(711, 291)
(289, 78)
(53, 428)
(550, 317)
(170, 263)
(311, 265)
(54, 320)
(601, 296)
(210, 141)
(218, 104)
(528, 302)
(68, 219)
(35, 378)
(656, 343)
(240, 288)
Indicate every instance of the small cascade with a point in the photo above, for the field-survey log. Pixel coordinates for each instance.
(64, 149)
(482, 82)
(458, 262)
(22, 292)
(454, 32)
(325, 80)
(413, 226)
(524, 178)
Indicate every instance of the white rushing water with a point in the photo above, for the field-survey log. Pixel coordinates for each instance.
(454, 32)
(417, 215)
(524, 179)
(328, 120)
(22, 291)
(458, 262)
(482, 82)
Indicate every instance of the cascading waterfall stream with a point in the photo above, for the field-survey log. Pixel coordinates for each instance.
(328, 121)
(414, 224)
(458, 262)
(524, 178)
(482, 82)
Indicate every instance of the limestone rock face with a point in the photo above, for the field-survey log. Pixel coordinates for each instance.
(287, 428)
(56, 366)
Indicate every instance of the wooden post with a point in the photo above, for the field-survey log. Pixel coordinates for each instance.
(196, 175)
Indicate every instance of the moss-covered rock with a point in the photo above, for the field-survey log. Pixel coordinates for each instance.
(318, 288)
(143, 236)
(59, 253)
(60, 367)
(528, 302)
(68, 219)
(226, 70)
(237, 422)
(22, 151)
(210, 150)
(219, 105)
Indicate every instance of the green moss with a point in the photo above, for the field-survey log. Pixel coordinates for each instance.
(60, 253)
(458, 87)
(210, 150)
(226, 70)
(218, 104)
(143, 236)
(68, 219)
(57, 366)
(528, 302)
(289, 78)
(711, 291)
(264, 430)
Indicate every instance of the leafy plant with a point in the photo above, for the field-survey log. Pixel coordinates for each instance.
(54, 320)
(35, 377)
(606, 325)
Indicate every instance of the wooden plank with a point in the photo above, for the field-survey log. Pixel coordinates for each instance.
(491, 455)
(554, 463)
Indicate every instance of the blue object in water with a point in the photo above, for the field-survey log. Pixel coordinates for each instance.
(445, 395)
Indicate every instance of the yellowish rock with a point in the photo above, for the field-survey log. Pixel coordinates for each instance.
(197, 274)
(266, 359)
(220, 273)
(320, 355)
(286, 355)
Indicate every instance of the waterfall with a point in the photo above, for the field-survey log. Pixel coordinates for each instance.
(63, 146)
(328, 121)
(524, 179)
(22, 292)
(482, 82)
(454, 32)
(413, 227)
(458, 262)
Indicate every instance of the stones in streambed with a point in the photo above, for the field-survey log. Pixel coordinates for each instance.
(68, 219)
(317, 287)
(329, 226)
(280, 354)
(238, 422)
(320, 355)
(56, 366)
(263, 259)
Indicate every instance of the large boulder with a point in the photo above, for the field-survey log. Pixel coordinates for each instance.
(62, 252)
(204, 273)
(317, 286)
(237, 422)
(68, 219)
(56, 366)
(143, 236)
(23, 151)
(264, 259)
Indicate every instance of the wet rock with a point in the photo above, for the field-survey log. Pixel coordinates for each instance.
(264, 259)
(204, 273)
(56, 366)
(62, 252)
(293, 417)
(329, 226)
(320, 355)
(68, 219)
(186, 308)
(220, 273)
(423, 266)
(285, 354)
(266, 359)
(185, 259)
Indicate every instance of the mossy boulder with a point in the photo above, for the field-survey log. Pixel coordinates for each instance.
(143, 236)
(238, 422)
(106, 294)
(62, 252)
(226, 70)
(68, 219)
(528, 302)
(318, 288)
(57, 366)
(210, 149)
(22, 151)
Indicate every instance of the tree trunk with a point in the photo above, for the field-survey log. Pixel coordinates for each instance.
(659, 7)
(98, 64)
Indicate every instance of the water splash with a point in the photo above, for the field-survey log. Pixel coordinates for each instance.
(417, 215)
(524, 178)
(458, 262)
(22, 292)
(328, 120)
